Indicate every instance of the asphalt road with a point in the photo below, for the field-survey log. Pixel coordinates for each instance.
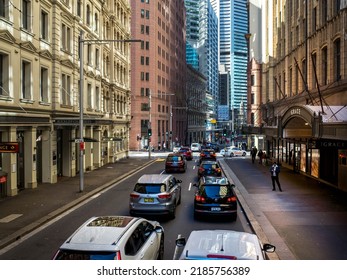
(43, 242)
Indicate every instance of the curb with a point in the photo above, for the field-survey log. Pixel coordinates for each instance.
(31, 227)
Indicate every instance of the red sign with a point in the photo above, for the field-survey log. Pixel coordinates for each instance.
(3, 179)
(10, 147)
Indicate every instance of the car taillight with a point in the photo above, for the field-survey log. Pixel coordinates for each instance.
(118, 256)
(218, 170)
(164, 196)
(200, 198)
(231, 199)
(201, 169)
(134, 195)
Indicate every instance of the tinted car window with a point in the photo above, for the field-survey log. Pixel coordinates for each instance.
(85, 255)
(209, 166)
(174, 158)
(135, 242)
(149, 189)
(216, 191)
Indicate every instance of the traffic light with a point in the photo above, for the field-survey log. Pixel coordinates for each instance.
(224, 132)
(149, 132)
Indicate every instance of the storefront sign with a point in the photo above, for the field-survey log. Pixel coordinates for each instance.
(295, 111)
(12, 147)
(331, 144)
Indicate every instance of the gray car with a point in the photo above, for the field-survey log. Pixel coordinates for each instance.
(155, 194)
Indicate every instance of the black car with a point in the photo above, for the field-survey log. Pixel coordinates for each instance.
(209, 168)
(175, 162)
(215, 196)
(207, 154)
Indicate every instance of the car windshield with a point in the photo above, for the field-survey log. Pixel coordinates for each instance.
(149, 188)
(183, 150)
(216, 191)
(85, 255)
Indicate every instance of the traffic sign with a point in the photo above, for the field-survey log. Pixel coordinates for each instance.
(79, 141)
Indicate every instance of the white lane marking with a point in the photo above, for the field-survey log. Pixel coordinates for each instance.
(190, 186)
(10, 218)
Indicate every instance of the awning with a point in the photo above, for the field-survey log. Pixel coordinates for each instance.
(85, 139)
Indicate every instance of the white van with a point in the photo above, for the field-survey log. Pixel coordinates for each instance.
(195, 147)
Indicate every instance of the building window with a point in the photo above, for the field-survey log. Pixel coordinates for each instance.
(97, 98)
(304, 74)
(159, 108)
(89, 96)
(144, 107)
(142, 76)
(88, 15)
(324, 66)
(96, 22)
(26, 14)
(142, 13)
(97, 58)
(324, 11)
(89, 54)
(4, 8)
(65, 89)
(79, 8)
(26, 80)
(142, 60)
(66, 37)
(44, 90)
(336, 7)
(252, 98)
(4, 74)
(313, 74)
(314, 19)
(44, 25)
(252, 80)
(337, 60)
(147, 76)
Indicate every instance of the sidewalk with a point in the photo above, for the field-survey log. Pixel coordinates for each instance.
(31, 208)
(307, 221)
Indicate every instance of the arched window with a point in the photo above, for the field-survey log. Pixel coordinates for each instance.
(88, 15)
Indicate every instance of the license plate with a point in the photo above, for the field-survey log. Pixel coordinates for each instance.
(215, 209)
(148, 199)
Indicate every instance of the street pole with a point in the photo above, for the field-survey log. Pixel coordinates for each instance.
(170, 132)
(149, 124)
(81, 144)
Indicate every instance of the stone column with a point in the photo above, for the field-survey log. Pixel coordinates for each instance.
(30, 159)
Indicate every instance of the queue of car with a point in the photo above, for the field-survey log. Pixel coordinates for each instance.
(135, 237)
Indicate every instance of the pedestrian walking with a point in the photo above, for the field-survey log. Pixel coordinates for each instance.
(254, 153)
(274, 171)
(260, 155)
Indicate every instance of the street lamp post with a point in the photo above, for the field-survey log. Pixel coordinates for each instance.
(81, 140)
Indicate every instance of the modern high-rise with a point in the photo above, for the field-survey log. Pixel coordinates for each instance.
(192, 32)
(233, 25)
(158, 100)
(207, 49)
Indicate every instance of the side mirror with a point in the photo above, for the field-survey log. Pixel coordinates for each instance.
(158, 229)
(180, 241)
(269, 248)
(179, 181)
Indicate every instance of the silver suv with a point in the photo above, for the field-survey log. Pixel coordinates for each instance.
(155, 194)
(114, 238)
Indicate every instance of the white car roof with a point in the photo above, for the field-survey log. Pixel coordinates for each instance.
(153, 178)
(99, 233)
(241, 245)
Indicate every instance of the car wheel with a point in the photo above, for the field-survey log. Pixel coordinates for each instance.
(161, 249)
(173, 212)
(244, 154)
(234, 216)
(196, 216)
(231, 154)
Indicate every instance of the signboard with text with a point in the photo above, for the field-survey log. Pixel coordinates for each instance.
(9, 147)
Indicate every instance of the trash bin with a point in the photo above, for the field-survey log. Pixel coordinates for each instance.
(3, 184)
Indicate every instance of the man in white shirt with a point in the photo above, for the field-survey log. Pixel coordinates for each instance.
(274, 171)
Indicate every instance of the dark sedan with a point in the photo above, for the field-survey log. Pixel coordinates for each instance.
(186, 152)
(175, 162)
(209, 168)
(215, 196)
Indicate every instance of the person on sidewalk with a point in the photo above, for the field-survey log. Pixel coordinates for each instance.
(260, 155)
(274, 171)
(254, 153)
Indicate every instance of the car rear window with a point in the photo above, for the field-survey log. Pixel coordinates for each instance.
(174, 158)
(149, 188)
(216, 191)
(209, 166)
